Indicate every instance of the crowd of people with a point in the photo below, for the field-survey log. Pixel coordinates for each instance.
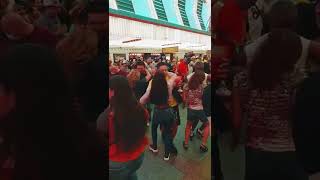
(53, 84)
(142, 87)
(266, 54)
(55, 120)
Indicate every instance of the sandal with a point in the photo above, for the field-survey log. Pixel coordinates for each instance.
(191, 136)
(203, 148)
(199, 133)
(185, 146)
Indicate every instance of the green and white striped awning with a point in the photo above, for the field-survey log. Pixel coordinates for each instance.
(161, 13)
(182, 8)
(125, 5)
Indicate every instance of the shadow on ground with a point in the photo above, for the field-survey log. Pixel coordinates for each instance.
(188, 165)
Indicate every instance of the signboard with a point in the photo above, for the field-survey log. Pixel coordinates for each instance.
(170, 50)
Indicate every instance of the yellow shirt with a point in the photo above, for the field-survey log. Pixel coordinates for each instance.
(171, 101)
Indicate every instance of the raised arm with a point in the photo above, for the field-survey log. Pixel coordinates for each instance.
(145, 98)
(149, 76)
(314, 51)
(185, 95)
(172, 75)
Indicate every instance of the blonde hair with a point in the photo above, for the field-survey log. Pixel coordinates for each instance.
(133, 77)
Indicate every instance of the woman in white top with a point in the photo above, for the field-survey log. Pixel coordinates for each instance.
(283, 15)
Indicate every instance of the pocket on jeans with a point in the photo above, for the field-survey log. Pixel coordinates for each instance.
(172, 114)
(117, 166)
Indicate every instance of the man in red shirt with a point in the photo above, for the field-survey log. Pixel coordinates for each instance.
(182, 68)
(16, 30)
(230, 31)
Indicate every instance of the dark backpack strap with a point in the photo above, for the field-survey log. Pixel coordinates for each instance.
(177, 95)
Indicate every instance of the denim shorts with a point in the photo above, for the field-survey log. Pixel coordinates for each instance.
(125, 170)
(194, 115)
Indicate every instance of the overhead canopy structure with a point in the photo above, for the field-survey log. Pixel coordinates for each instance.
(156, 44)
(134, 35)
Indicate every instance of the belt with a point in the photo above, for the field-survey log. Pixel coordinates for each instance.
(162, 106)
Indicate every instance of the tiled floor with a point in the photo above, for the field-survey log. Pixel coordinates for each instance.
(188, 165)
(233, 163)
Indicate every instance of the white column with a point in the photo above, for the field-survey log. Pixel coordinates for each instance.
(113, 4)
(152, 9)
(208, 22)
(177, 10)
(196, 19)
(111, 57)
(208, 3)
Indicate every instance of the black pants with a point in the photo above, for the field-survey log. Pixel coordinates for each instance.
(177, 113)
(216, 163)
(262, 165)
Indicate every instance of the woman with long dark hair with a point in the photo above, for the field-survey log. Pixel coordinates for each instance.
(263, 95)
(159, 93)
(126, 121)
(193, 93)
(42, 138)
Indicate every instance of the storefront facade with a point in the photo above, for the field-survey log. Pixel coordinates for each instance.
(154, 26)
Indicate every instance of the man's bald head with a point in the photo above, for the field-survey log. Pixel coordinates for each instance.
(283, 14)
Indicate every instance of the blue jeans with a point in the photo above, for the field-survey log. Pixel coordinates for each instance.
(125, 170)
(148, 107)
(165, 118)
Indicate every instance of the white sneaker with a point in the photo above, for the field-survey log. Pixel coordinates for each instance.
(166, 157)
(154, 150)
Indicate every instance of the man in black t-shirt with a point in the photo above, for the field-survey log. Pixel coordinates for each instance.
(142, 83)
(306, 124)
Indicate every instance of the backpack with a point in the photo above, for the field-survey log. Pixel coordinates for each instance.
(206, 100)
(177, 95)
(221, 119)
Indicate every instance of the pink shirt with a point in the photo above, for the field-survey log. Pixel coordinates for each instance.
(194, 98)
